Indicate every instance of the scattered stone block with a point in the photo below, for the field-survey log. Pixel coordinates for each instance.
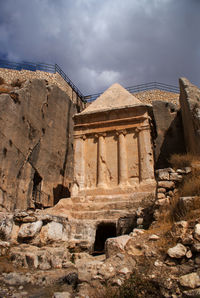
(179, 229)
(197, 232)
(154, 237)
(177, 251)
(136, 232)
(115, 245)
(188, 254)
(132, 249)
(6, 224)
(191, 280)
(62, 295)
(188, 170)
(30, 230)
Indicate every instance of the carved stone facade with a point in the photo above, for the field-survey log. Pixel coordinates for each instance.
(112, 146)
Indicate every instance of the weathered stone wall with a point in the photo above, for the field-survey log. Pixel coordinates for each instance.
(10, 75)
(190, 109)
(36, 152)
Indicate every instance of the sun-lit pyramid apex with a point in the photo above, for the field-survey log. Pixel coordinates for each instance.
(115, 97)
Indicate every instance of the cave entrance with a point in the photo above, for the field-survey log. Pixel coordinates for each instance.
(36, 194)
(103, 231)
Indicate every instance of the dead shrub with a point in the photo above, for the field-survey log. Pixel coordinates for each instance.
(162, 228)
(178, 212)
(178, 161)
(137, 285)
(16, 83)
(190, 185)
(2, 81)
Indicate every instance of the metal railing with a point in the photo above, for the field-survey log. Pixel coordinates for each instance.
(139, 88)
(53, 68)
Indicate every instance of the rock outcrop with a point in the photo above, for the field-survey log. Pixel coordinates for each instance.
(36, 155)
(190, 109)
(169, 138)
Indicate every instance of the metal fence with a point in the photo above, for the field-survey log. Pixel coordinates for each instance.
(53, 68)
(139, 88)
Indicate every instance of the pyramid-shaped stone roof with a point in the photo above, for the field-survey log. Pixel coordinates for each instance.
(115, 97)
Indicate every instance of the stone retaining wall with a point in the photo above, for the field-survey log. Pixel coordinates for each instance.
(149, 96)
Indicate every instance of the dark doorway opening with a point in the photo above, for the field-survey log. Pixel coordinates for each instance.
(60, 192)
(103, 231)
(36, 194)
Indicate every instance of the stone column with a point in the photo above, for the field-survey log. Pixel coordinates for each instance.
(122, 158)
(79, 164)
(101, 161)
(146, 170)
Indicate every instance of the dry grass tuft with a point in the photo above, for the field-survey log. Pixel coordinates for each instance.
(178, 161)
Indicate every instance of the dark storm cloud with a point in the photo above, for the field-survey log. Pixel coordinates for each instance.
(98, 42)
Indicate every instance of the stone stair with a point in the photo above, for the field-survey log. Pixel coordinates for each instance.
(102, 206)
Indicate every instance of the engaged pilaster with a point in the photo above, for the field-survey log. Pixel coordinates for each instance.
(101, 164)
(79, 161)
(122, 158)
(145, 154)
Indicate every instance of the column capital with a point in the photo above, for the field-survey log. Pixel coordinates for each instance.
(122, 131)
(100, 134)
(83, 137)
(137, 129)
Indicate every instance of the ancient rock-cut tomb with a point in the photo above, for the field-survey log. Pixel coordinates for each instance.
(112, 146)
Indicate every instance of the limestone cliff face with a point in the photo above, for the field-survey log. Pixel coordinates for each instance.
(190, 109)
(36, 154)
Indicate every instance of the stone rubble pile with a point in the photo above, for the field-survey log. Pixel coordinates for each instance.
(186, 251)
(40, 243)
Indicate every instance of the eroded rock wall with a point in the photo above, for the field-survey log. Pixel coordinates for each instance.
(169, 138)
(190, 109)
(36, 154)
(10, 75)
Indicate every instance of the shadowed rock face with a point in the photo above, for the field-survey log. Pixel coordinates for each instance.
(36, 154)
(190, 109)
(169, 138)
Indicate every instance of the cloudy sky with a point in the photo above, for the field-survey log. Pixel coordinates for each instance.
(99, 42)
